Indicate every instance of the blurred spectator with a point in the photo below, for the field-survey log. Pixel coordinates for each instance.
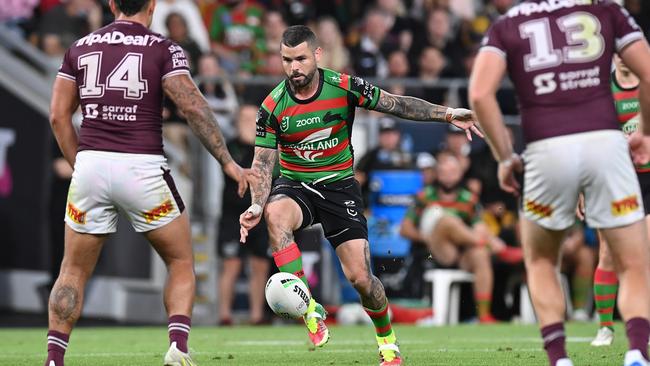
(388, 155)
(272, 65)
(237, 35)
(13, 13)
(367, 55)
(440, 32)
(190, 12)
(296, 11)
(220, 95)
(446, 216)
(490, 13)
(230, 250)
(274, 26)
(456, 143)
(67, 22)
(398, 67)
(400, 34)
(335, 55)
(426, 164)
(431, 67)
(579, 263)
(177, 30)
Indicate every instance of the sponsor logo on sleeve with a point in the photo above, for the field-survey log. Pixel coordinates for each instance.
(625, 206)
(538, 209)
(76, 214)
(159, 212)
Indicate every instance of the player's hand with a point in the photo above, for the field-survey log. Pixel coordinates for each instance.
(639, 148)
(238, 174)
(580, 209)
(508, 168)
(248, 220)
(465, 119)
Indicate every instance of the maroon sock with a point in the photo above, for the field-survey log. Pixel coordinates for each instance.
(638, 331)
(57, 343)
(179, 331)
(554, 342)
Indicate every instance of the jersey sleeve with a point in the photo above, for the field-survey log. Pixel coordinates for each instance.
(365, 95)
(266, 127)
(493, 40)
(174, 61)
(626, 30)
(67, 70)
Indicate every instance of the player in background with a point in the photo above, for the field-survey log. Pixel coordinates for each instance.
(625, 88)
(558, 55)
(308, 118)
(118, 75)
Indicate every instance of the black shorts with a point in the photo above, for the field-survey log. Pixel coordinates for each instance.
(644, 182)
(337, 206)
(228, 245)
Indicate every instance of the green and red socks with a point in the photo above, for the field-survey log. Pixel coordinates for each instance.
(484, 307)
(381, 319)
(57, 343)
(605, 288)
(179, 331)
(289, 260)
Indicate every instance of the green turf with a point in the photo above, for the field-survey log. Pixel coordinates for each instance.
(497, 345)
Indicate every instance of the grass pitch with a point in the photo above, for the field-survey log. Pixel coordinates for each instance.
(497, 345)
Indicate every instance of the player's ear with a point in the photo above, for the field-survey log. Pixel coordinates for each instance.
(317, 54)
(152, 6)
(114, 10)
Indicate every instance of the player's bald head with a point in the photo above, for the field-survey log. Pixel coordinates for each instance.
(131, 7)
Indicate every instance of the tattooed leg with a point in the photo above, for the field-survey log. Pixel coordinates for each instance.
(66, 299)
(283, 216)
(355, 260)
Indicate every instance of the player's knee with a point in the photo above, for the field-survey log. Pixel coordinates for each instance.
(360, 280)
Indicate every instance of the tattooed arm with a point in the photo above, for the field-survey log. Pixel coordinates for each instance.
(187, 97)
(260, 182)
(420, 110)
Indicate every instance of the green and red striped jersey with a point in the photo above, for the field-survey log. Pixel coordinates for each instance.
(466, 206)
(626, 101)
(313, 135)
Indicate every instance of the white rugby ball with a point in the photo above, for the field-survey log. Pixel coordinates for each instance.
(287, 295)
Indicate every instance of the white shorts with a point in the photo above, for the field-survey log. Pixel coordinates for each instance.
(596, 163)
(139, 185)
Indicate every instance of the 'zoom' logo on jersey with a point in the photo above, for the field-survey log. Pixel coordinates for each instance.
(307, 121)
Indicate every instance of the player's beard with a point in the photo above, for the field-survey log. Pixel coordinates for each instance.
(302, 83)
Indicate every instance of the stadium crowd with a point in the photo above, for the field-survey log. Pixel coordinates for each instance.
(378, 39)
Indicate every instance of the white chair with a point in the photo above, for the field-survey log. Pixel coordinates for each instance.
(446, 293)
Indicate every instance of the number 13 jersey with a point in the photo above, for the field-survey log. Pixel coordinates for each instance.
(559, 56)
(119, 71)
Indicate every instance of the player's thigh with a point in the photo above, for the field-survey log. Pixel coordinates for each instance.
(144, 189)
(288, 207)
(539, 242)
(173, 241)
(551, 182)
(90, 208)
(81, 252)
(612, 192)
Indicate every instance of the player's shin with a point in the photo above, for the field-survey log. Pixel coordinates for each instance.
(289, 260)
(605, 288)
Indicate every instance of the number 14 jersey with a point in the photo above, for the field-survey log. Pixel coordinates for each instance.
(559, 56)
(118, 71)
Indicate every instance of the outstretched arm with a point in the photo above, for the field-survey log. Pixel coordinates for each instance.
(417, 109)
(187, 97)
(260, 182)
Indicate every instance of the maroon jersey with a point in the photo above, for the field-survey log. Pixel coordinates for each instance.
(559, 56)
(119, 71)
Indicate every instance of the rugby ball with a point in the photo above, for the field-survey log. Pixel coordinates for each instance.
(287, 295)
